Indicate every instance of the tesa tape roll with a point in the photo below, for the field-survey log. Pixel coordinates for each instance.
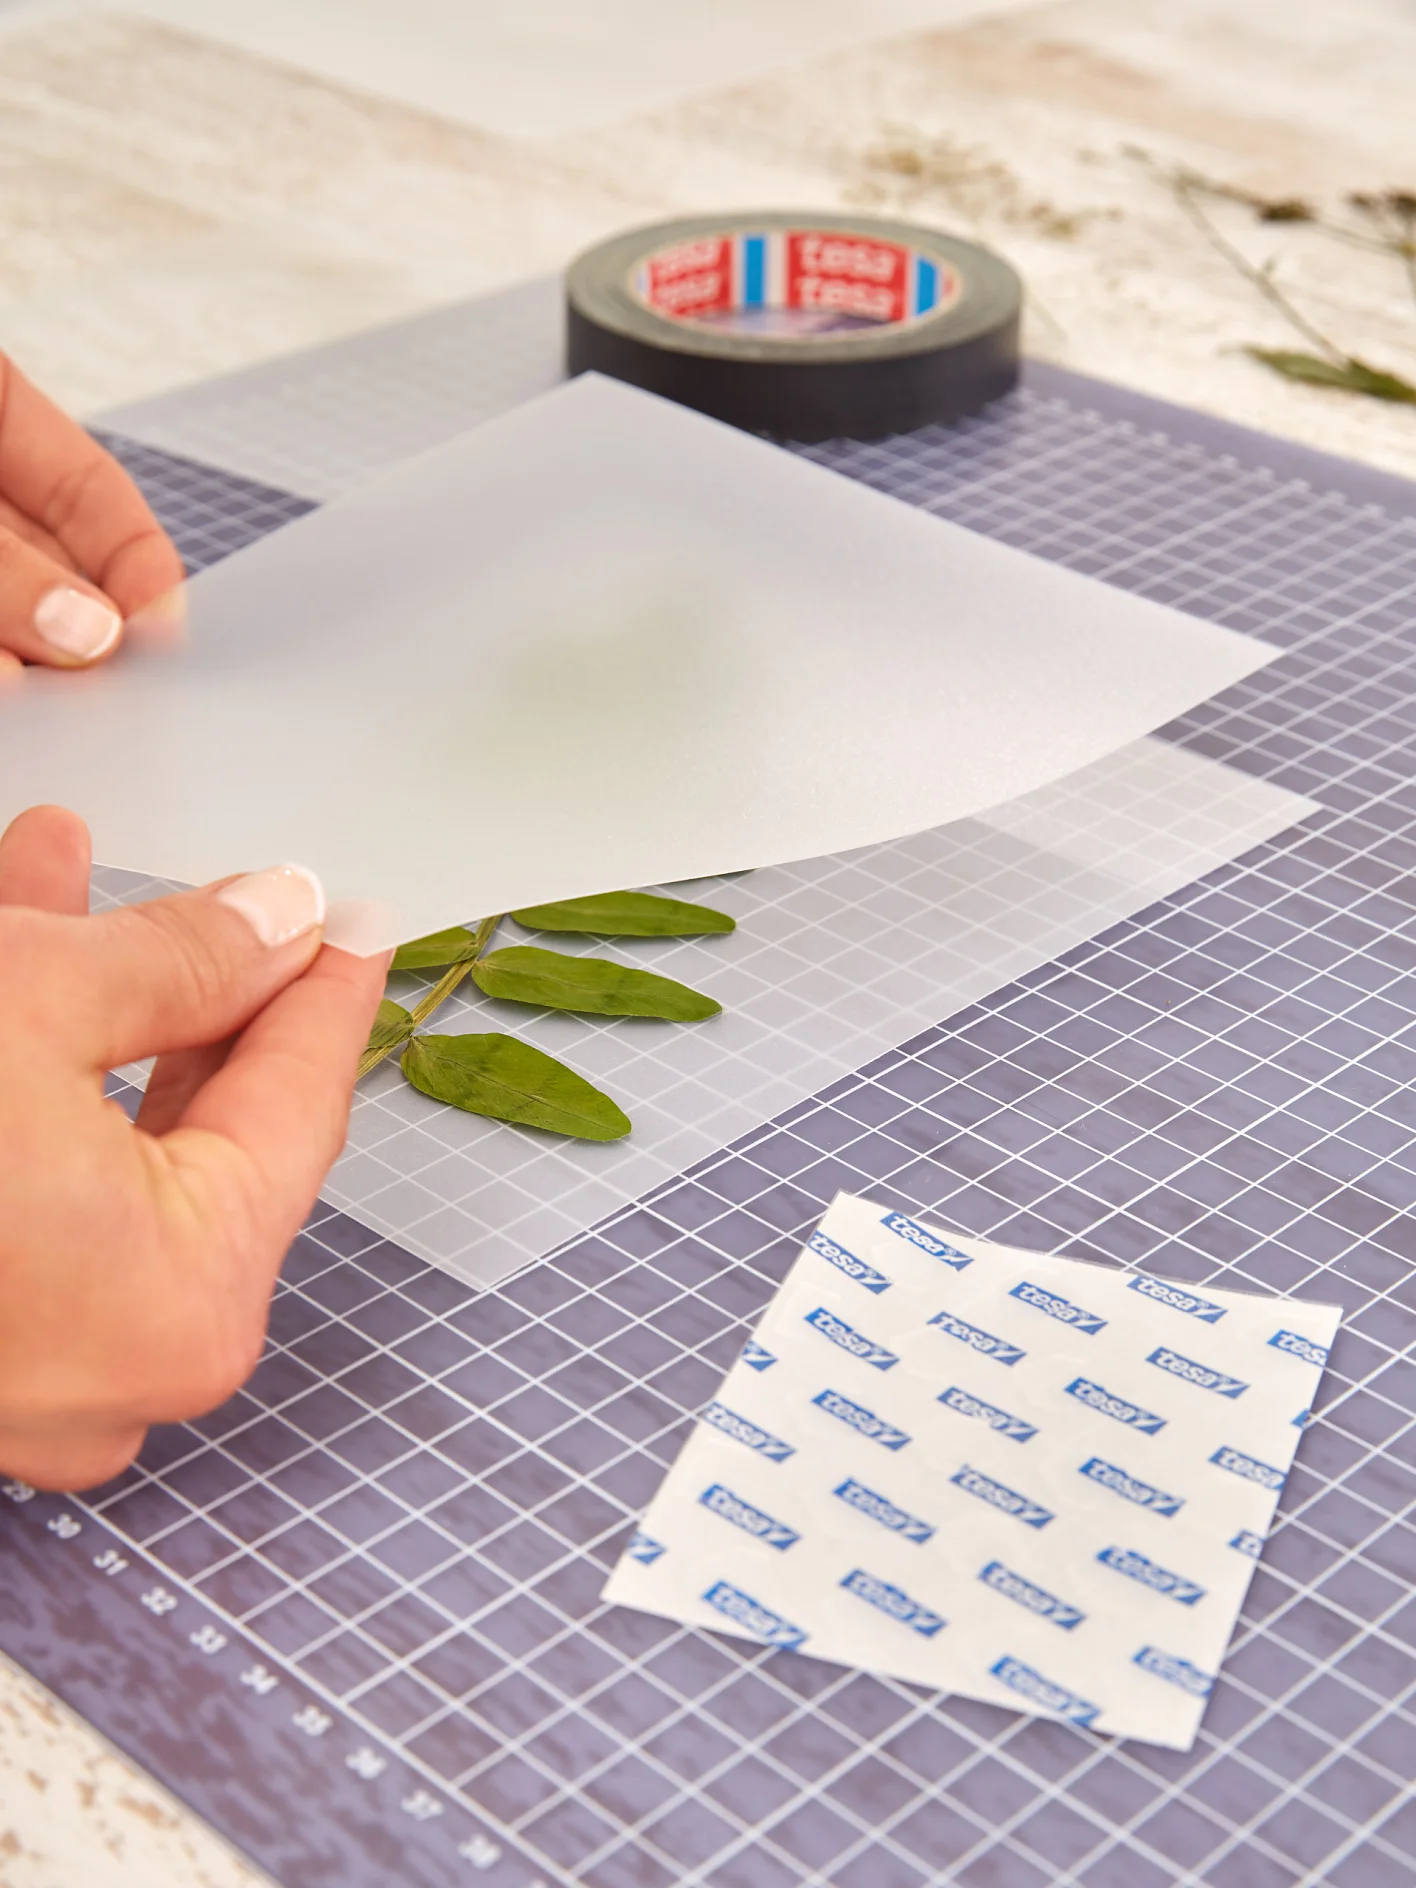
(804, 325)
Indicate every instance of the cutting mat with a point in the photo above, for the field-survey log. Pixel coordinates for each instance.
(352, 1617)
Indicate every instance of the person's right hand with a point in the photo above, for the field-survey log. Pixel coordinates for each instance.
(136, 1263)
(79, 548)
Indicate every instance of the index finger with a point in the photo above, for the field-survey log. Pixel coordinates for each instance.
(282, 1096)
(60, 477)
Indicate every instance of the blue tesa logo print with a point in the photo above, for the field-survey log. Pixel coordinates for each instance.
(1043, 1604)
(982, 1341)
(718, 1416)
(1062, 1309)
(1131, 1487)
(1161, 1292)
(1006, 1500)
(722, 1501)
(755, 1357)
(874, 1428)
(643, 1548)
(966, 1404)
(1293, 1345)
(850, 1340)
(1054, 1699)
(1102, 1400)
(891, 1600)
(1240, 1464)
(1200, 1374)
(1247, 1543)
(929, 1242)
(753, 1616)
(1159, 1579)
(1175, 1671)
(847, 1262)
(866, 1501)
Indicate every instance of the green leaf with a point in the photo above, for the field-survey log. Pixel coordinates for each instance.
(392, 1025)
(1351, 375)
(440, 947)
(590, 985)
(510, 1081)
(625, 914)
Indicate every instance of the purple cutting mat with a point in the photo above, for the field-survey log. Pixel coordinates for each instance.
(351, 1617)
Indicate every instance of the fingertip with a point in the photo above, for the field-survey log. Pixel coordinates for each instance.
(46, 857)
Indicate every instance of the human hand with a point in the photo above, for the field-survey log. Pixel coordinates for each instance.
(79, 548)
(136, 1263)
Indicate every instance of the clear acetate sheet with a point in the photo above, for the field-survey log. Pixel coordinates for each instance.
(598, 641)
(1037, 1481)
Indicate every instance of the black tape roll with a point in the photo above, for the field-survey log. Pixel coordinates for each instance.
(801, 324)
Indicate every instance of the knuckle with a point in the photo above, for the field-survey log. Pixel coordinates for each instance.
(195, 963)
(69, 493)
(15, 555)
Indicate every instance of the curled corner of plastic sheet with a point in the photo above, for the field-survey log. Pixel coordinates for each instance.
(1036, 1481)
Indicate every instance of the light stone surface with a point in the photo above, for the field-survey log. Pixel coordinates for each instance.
(171, 208)
(76, 1814)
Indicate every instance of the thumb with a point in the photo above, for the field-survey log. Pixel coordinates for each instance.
(47, 613)
(181, 972)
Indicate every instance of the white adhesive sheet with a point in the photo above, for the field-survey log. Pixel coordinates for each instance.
(1036, 1481)
(598, 641)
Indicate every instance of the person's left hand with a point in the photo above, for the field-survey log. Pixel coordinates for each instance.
(79, 548)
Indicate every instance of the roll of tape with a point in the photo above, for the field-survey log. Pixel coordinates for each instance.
(803, 325)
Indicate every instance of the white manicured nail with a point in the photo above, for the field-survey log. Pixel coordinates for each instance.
(76, 624)
(280, 904)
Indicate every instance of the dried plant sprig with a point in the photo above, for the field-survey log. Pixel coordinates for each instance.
(511, 1080)
(1395, 213)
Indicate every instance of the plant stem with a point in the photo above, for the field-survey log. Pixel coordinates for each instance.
(1261, 279)
(441, 990)
(1406, 247)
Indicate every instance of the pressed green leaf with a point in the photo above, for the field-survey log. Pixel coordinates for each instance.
(625, 914)
(1351, 376)
(510, 1081)
(392, 1025)
(592, 986)
(440, 947)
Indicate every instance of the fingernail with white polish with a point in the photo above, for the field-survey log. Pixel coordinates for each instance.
(76, 624)
(280, 904)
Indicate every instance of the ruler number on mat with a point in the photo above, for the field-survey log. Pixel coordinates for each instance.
(65, 1526)
(479, 1852)
(110, 1561)
(159, 1601)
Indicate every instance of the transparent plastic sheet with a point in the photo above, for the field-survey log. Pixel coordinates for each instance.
(598, 641)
